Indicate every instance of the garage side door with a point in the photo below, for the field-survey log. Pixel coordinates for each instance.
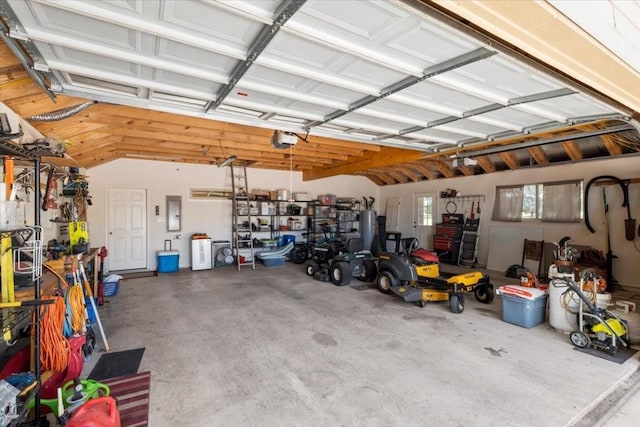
(127, 228)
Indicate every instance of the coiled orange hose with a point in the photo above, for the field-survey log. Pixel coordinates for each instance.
(54, 348)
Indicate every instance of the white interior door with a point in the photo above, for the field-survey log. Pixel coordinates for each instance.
(423, 218)
(127, 228)
(392, 213)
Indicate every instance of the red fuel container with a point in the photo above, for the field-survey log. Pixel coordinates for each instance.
(99, 412)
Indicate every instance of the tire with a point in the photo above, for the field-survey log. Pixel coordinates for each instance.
(580, 339)
(456, 303)
(370, 271)
(340, 273)
(385, 281)
(299, 254)
(483, 294)
(613, 350)
(311, 268)
(421, 303)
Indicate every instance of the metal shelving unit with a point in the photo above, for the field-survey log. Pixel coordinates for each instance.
(33, 248)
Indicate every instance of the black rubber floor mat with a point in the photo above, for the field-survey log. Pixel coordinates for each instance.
(117, 364)
(621, 356)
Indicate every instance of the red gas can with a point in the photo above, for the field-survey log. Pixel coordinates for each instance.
(99, 412)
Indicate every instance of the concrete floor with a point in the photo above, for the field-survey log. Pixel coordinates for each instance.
(271, 346)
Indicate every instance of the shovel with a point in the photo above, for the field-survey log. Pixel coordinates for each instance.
(629, 223)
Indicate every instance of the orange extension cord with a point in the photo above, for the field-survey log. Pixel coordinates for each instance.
(54, 347)
(76, 303)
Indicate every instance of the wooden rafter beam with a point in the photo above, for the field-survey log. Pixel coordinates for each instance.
(444, 167)
(572, 149)
(486, 164)
(538, 155)
(466, 170)
(387, 156)
(424, 170)
(409, 171)
(611, 145)
(397, 175)
(510, 159)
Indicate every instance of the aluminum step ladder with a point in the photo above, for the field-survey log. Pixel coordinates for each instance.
(468, 253)
(242, 228)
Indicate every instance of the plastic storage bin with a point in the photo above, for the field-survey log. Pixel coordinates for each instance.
(168, 260)
(523, 311)
(110, 289)
(273, 262)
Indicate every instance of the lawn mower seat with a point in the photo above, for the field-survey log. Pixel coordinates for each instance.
(354, 245)
(423, 256)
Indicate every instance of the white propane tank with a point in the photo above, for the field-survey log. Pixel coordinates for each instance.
(563, 305)
(626, 310)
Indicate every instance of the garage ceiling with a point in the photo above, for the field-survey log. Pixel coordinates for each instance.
(390, 90)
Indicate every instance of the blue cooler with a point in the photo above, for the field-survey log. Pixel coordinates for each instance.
(168, 260)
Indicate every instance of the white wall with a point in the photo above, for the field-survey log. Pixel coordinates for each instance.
(210, 217)
(626, 268)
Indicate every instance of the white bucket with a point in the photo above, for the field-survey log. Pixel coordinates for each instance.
(563, 307)
(603, 301)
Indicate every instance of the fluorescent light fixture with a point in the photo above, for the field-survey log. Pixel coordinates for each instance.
(227, 161)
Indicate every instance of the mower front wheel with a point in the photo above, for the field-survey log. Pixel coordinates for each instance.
(340, 273)
(580, 339)
(386, 280)
(456, 303)
(484, 294)
(311, 268)
(421, 303)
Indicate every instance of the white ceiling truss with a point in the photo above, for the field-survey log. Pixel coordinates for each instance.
(383, 72)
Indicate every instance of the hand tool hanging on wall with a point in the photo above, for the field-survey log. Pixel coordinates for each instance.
(610, 255)
(51, 193)
(629, 223)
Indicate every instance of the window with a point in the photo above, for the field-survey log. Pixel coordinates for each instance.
(548, 202)
(425, 211)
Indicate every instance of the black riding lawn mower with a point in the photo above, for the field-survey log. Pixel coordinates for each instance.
(332, 261)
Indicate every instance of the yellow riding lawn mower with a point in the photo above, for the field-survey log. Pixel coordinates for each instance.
(414, 275)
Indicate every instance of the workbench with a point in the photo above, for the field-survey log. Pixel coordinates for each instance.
(50, 282)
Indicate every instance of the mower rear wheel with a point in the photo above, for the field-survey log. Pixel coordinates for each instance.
(340, 273)
(456, 303)
(580, 339)
(299, 254)
(386, 280)
(483, 294)
(370, 271)
(311, 268)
